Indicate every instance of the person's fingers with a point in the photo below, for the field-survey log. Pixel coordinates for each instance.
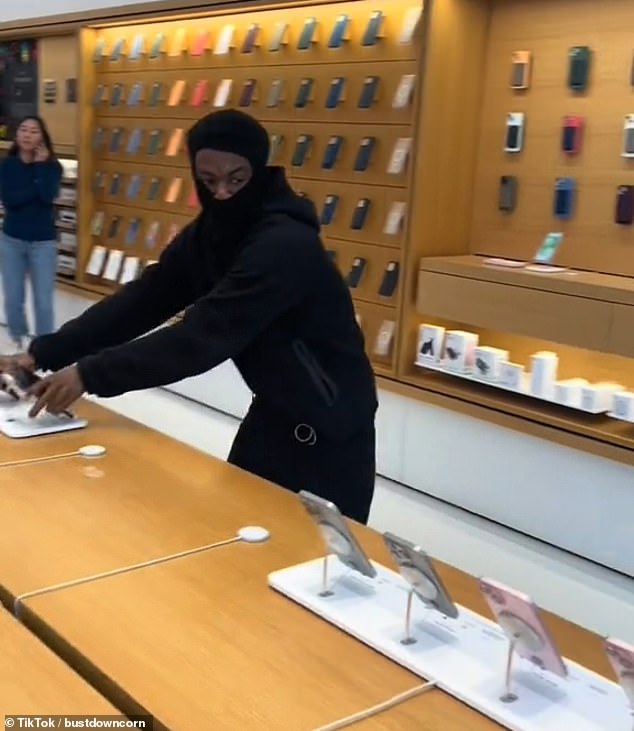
(46, 394)
(38, 388)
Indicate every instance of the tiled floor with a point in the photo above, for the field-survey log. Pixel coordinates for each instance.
(590, 595)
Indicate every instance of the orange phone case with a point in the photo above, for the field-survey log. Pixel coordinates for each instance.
(176, 93)
(176, 140)
(174, 190)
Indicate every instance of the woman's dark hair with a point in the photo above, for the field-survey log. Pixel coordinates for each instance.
(46, 136)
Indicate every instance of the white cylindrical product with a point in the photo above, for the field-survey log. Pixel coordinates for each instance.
(543, 374)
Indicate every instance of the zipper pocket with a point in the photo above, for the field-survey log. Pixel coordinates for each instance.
(322, 382)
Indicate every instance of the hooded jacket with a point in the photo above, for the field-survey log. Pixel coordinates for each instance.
(270, 299)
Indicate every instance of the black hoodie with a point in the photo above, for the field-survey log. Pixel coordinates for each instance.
(271, 300)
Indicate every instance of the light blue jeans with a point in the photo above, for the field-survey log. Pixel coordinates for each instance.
(38, 261)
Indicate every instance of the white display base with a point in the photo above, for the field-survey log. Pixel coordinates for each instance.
(523, 391)
(466, 657)
(16, 423)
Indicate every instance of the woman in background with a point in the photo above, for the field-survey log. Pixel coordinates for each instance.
(30, 179)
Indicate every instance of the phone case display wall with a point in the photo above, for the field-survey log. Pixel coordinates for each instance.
(510, 668)
(335, 87)
(556, 148)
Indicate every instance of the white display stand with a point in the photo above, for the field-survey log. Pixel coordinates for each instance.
(524, 390)
(16, 423)
(466, 657)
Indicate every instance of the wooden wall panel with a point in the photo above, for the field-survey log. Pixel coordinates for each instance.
(548, 29)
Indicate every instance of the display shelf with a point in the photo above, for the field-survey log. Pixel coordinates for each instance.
(327, 95)
(466, 657)
(524, 390)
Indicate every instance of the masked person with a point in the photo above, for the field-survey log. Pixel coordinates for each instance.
(257, 287)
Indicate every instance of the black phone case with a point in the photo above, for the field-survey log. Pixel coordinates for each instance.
(250, 38)
(115, 184)
(368, 92)
(518, 73)
(512, 136)
(624, 213)
(390, 280)
(301, 150)
(364, 154)
(568, 138)
(153, 189)
(508, 193)
(360, 214)
(306, 37)
(303, 93)
(579, 68)
(248, 90)
(114, 227)
(356, 272)
(629, 141)
(115, 140)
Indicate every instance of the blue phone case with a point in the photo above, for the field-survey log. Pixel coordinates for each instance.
(373, 28)
(339, 31)
(335, 92)
(134, 186)
(328, 211)
(368, 92)
(331, 153)
(564, 199)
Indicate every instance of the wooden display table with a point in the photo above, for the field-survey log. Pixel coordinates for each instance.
(202, 642)
(34, 681)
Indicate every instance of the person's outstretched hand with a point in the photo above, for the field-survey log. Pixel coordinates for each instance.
(11, 363)
(56, 392)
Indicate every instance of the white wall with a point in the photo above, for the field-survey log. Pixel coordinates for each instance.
(576, 501)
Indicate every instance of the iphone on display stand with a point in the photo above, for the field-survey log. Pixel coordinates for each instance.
(621, 657)
(337, 536)
(519, 618)
(416, 568)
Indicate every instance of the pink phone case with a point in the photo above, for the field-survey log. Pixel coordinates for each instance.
(621, 657)
(519, 617)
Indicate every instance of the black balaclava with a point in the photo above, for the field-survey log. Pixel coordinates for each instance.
(231, 131)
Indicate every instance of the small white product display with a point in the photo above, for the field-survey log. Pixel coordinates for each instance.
(568, 392)
(623, 405)
(466, 656)
(431, 343)
(488, 362)
(597, 398)
(543, 374)
(460, 349)
(512, 376)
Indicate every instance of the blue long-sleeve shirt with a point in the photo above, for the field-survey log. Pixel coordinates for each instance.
(27, 191)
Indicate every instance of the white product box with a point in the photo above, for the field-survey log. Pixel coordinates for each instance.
(487, 363)
(599, 396)
(623, 405)
(512, 375)
(543, 374)
(460, 349)
(431, 341)
(568, 392)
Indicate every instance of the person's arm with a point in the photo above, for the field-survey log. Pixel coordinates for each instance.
(161, 292)
(268, 279)
(47, 177)
(12, 194)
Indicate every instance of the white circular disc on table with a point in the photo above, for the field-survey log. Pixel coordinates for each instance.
(254, 534)
(92, 450)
